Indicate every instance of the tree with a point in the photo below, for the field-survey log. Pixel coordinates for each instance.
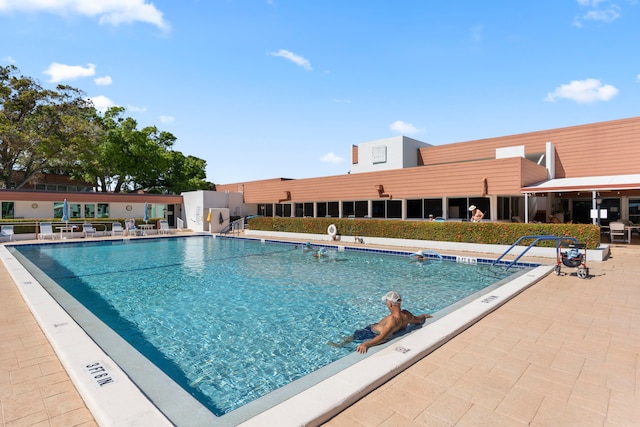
(185, 173)
(39, 128)
(129, 159)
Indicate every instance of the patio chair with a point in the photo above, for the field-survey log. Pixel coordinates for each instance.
(88, 230)
(116, 228)
(617, 232)
(46, 230)
(164, 227)
(130, 225)
(7, 231)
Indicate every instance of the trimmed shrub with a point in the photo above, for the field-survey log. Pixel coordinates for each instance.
(491, 233)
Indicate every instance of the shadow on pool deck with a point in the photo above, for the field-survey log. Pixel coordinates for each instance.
(564, 352)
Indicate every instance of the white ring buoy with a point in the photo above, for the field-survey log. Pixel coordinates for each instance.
(332, 230)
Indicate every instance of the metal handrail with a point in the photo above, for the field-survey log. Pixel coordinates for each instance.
(558, 239)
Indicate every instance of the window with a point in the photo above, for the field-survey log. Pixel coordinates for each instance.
(432, 207)
(378, 209)
(414, 209)
(394, 209)
(103, 210)
(299, 210)
(8, 209)
(322, 210)
(348, 209)
(283, 210)
(89, 211)
(362, 208)
(307, 209)
(634, 210)
(75, 210)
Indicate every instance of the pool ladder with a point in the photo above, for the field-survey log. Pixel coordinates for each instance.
(532, 244)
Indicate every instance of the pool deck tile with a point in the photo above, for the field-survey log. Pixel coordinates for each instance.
(564, 352)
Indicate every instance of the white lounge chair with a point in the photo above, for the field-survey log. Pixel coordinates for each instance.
(46, 230)
(7, 231)
(88, 230)
(164, 227)
(116, 228)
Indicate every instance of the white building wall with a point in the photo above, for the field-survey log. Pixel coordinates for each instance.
(397, 152)
(197, 205)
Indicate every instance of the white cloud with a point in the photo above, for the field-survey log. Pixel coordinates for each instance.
(167, 119)
(102, 103)
(606, 13)
(113, 12)
(342, 101)
(103, 81)
(403, 128)
(59, 72)
(331, 158)
(296, 59)
(8, 60)
(583, 92)
(638, 77)
(135, 109)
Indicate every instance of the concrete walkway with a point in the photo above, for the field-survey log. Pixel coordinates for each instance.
(563, 353)
(566, 352)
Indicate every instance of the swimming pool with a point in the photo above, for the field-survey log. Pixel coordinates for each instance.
(206, 301)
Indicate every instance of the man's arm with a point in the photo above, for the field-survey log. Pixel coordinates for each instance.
(382, 337)
(416, 320)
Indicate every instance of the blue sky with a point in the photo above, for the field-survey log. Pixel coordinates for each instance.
(283, 88)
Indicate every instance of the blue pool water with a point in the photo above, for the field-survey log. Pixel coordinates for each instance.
(231, 320)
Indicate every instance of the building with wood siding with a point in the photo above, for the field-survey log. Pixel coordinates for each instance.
(525, 177)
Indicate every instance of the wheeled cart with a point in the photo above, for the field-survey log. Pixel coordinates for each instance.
(572, 257)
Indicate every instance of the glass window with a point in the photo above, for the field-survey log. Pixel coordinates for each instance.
(613, 210)
(283, 210)
(90, 210)
(414, 209)
(362, 208)
(8, 209)
(103, 210)
(379, 209)
(394, 208)
(348, 209)
(308, 209)
(299, 210)
(57, 209)
(334, 209)
(322, 209)
(432, 207)
(75, 210)
(634, 210)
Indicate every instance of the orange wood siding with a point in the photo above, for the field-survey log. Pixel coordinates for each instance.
(464, 179)
(354, 154)
(607, 148)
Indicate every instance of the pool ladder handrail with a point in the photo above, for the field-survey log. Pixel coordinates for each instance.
(558, 239)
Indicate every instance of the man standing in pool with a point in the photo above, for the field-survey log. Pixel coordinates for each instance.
(378, 333)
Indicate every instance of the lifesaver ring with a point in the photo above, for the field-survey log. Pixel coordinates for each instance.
(332, 230)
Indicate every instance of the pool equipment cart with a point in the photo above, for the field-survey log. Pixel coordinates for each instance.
(573, 258)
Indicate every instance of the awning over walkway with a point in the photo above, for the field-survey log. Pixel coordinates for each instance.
(587, 183)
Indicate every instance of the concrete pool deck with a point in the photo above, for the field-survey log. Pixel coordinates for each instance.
(565, 351)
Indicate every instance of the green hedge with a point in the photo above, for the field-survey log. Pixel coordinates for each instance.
(503, 233)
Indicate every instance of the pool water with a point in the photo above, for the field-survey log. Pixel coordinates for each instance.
(231, 320)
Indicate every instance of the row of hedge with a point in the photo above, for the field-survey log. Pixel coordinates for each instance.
(25, 226)
(503, 233)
